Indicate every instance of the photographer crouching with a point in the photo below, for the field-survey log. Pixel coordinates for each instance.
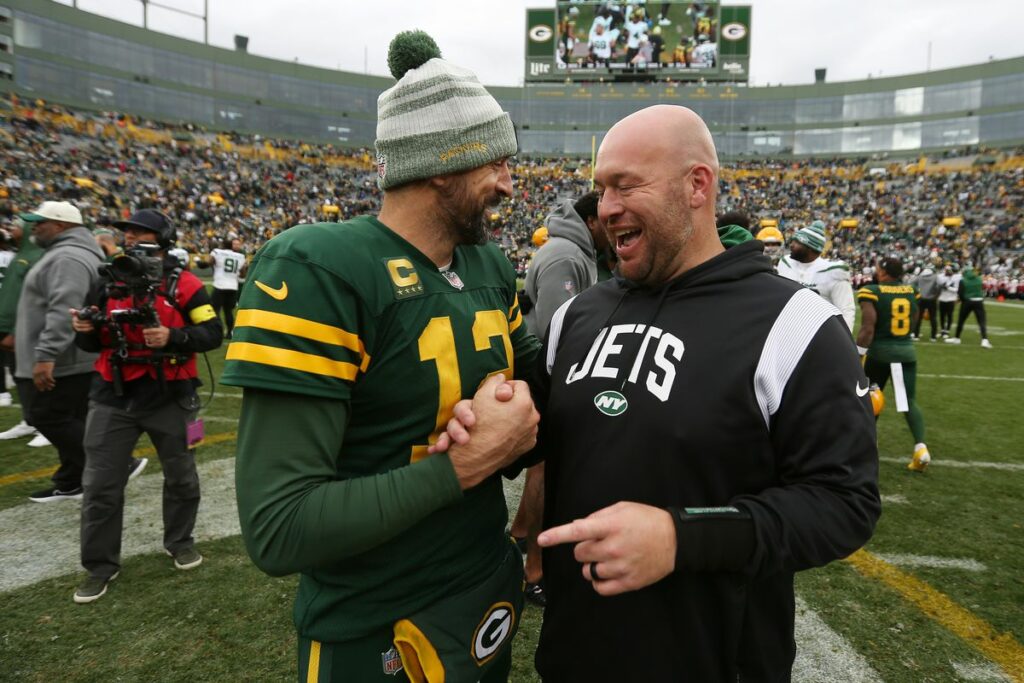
(147, 319)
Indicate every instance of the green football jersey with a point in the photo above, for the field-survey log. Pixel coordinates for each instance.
(354, 312)
(896, 306)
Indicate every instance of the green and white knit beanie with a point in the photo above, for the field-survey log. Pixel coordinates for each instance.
(437, 119)
(812, 237)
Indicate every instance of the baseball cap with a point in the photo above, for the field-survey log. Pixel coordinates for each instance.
(65, 212)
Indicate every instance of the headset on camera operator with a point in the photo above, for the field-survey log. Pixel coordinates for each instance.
(147, 320)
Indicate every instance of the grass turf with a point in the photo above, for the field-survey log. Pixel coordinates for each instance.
(227, 621)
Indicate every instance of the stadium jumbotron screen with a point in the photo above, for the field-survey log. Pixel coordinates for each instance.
(663, 37)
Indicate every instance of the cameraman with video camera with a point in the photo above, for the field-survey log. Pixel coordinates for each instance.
(147, 319)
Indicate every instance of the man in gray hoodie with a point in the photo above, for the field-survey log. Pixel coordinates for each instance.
(52, 374)
(568, 263)
(573, 259)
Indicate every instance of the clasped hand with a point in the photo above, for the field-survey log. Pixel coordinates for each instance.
(633, 545)
(503, 427)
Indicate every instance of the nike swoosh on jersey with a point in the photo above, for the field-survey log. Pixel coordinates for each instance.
(860, 392)
(281, 293)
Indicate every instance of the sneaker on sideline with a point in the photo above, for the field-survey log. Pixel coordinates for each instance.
(953, 340)
(51, 495)
(189, 558)
(986, 344)
(92, 588)
(38, 441)
(17, 431)
(6, 400)
(135, 469)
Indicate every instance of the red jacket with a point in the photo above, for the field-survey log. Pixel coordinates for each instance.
(170, 316)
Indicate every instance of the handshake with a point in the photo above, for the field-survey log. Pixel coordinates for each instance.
(490, 431)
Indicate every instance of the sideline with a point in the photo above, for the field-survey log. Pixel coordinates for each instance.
(1001, 648)
(138, 453)
(964, 464)
(981, 377)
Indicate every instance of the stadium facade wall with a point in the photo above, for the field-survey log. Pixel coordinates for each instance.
(72, 57)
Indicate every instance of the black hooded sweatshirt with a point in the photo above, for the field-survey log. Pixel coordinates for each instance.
(735, 399)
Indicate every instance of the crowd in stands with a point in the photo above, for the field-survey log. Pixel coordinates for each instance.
(953, 209)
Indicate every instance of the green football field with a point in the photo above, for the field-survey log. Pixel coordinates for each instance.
(937, 594)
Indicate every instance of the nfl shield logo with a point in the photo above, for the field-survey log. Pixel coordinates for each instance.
(391, 662)
(453, 279)
(382, 165)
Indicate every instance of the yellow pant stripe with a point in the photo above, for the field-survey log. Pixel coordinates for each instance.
(313, 670)
(419, 658)
(293, 360)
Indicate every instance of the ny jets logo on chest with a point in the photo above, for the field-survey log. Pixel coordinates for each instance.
(646, 346)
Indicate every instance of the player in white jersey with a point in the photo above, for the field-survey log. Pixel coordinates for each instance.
(228, 266)
(636, 32)
(705, 55)
(182, 255)
(830, 279)
(601, 45)
(6, 254)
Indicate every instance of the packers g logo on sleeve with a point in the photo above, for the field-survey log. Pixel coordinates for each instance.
(492, 631)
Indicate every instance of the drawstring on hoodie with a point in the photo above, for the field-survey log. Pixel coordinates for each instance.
(649, 325)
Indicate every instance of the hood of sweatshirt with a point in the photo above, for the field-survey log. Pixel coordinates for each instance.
(77, 238)
(564, 222)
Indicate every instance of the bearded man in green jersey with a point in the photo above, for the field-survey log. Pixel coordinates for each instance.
(889, 312)
(353, 344)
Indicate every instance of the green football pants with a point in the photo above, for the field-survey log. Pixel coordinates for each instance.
(904, 376)
(372, 658)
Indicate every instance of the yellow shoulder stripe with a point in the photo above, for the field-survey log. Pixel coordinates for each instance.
(867, 295)
(292, 360)
(307, 329)
(200, 314)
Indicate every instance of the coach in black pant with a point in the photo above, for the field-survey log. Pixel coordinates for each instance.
(52, 374)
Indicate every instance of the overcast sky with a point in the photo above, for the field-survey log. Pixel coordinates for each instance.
(789, 38)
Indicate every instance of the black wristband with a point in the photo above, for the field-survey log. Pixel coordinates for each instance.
(712, 539)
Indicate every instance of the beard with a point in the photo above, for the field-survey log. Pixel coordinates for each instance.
(668, 234)
(465, 215)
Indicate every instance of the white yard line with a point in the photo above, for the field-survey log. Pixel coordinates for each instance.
(964, 464)
(895, 499)
(980, 377)
(982, 673)
(932, 562)
(40, 540)
(824, 656)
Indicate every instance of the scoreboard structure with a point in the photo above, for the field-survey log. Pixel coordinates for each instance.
(588, 41)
